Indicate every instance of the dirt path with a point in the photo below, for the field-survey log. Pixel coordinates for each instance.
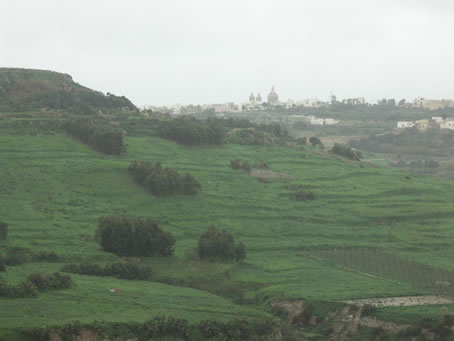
(404, 301)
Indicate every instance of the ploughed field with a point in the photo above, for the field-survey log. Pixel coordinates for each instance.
(53, 190)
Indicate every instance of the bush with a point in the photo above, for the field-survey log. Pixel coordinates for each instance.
(3, 230)
(214, 244)
(24, 289)
(130, 236)
(165, 327)
(235, 164)
(346, 151)
(314, 141)
(51, 281)
(245, 166)
(103, 139)
(162, 181)
(118, 270)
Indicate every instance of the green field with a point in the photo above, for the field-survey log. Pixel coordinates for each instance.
(53, 189)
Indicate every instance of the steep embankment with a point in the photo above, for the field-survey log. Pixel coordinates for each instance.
(27, 90)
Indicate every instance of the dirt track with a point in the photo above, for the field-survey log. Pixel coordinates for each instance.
(404, 301)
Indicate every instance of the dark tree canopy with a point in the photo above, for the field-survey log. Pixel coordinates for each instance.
(346, 151)
(103, 139)
(220, 245)
(162, 181)
(131, 236)
(315, 141)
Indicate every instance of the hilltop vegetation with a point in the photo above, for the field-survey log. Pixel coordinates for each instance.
(29, 90)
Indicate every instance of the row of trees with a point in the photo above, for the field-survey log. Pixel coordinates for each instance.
(103, 139)
(163, 181)
(132, 236)
(190, 131)
(168, 328)
(118, 270)
(34, 283)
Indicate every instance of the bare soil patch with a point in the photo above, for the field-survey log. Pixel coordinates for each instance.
(404, 301)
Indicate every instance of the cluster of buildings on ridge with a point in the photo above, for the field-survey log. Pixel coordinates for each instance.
(257, 103)
(434, 122)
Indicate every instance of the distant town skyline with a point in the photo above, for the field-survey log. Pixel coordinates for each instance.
(202, 51)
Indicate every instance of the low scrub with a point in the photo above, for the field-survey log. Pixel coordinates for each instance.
(132, 236)
(118, 270)
(163, 181)
(165, 328)
(238, 164)
(24, 289)
(51, 281)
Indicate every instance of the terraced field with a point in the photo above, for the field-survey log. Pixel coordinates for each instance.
(53, 190)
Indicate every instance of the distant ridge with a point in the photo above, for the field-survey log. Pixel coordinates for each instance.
(29, 90)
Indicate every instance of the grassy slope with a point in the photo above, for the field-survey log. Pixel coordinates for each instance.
(53, 189)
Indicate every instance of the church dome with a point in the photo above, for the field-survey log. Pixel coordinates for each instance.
(258, 98)
(251, 98)
(273, 97)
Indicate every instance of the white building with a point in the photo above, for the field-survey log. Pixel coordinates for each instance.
(447, 124)
(311, 103)
(405, 124)
(437, 119)
(322, 121)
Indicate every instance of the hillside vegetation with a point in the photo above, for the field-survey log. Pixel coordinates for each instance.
(28, 90)
(54, 189)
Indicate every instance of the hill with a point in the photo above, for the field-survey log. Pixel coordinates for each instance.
(54, 189)
(34, 90)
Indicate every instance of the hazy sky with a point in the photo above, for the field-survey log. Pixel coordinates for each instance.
(210, 51)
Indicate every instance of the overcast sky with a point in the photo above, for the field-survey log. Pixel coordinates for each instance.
(211, 51)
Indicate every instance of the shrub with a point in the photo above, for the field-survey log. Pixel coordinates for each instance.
(346, 151)
(3, 230)
(245, 166)
(162, 181)
(165, 326)
(314, 141)
(24, 289)
(215, 244)
(130, 236)
(235, 164)
(51, 281)
(118, 270)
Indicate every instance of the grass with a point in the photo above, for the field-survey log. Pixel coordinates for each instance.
(53, 189)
